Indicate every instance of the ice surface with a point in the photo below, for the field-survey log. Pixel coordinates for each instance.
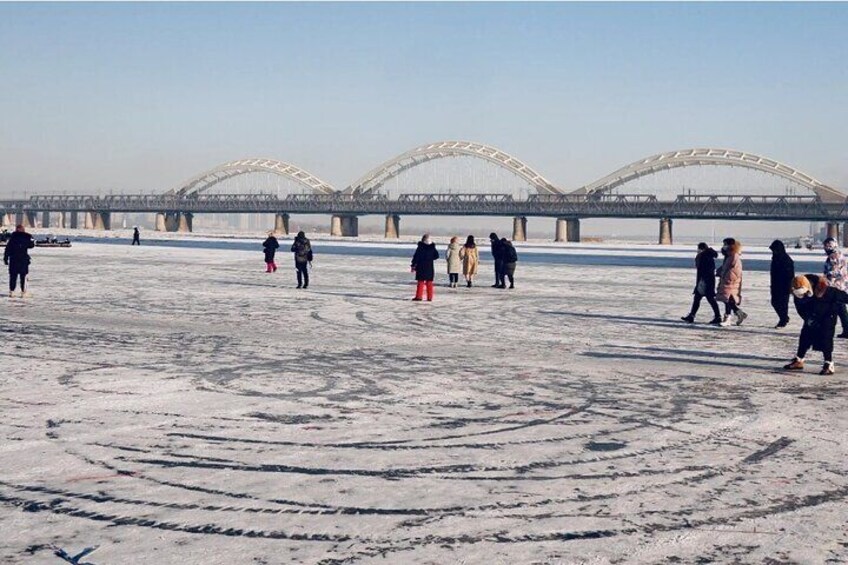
(181, 406)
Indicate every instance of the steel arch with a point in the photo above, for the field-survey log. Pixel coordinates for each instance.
(709, 156)
(378, 176)
(204, 181)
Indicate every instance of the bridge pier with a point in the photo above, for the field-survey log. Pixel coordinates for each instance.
(45, 219)
(27, 219)
(159, 222)
(519, 228)
(185, 221)
(74, 220)
(88, 220)
(281, 223)
(344, 226)
(568, 229)
(665, 231)
(392, 226)
(833, 230)
(8, 219)
(101, 220)
(845, 234)
(60, 220)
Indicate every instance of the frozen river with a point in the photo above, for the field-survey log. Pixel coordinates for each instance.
(178, 405)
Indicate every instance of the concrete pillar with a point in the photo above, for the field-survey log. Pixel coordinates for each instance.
(184, 222)
(833, 230)
(519, 228)
(74, 220)
(27, 219)
(350, 226)
(336, 225)
(665, 231)
(101, 220)
(88, 220)
(572, 230)
(61, 221)
(392, 226)
(281, 223)
(8, 219)
(160, 222)
(172, 221)
(45, 219)
(845, 234)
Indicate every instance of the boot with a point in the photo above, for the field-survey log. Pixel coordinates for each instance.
(740, 317)
(689, 318)
(419, 291)
(430, 289)
(827, 369)
(844, 334)
(715, 321)
(796, 365)
(468, 284)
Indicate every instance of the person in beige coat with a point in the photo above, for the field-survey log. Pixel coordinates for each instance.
(454, 262)
(470, 260)
(730, 281)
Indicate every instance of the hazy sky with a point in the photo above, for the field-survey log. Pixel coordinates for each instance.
(140, 96)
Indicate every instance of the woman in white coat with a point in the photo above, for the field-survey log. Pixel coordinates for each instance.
(454, 262)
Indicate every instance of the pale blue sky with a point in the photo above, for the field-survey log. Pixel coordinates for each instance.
(141, 96)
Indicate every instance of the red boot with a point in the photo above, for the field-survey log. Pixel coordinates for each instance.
(274, 266)
(267, 267)
(419, 291)
(429, 291)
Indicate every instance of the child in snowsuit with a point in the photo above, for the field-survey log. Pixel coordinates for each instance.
(270, 245)
(818, 305)
(422, 266)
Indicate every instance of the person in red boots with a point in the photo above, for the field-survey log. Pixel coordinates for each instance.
(270, 245)
(422, 266)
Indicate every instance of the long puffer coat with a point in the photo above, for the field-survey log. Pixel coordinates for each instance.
(782, 270)
(730, 277)
(452, 256)
(820, 312)
(470, 260)
(422, 261)
(706, 268)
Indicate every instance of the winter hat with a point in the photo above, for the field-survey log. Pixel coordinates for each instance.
(702, 246)
(301, 235)
(801, 282)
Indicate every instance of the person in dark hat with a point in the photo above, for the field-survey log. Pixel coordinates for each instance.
(16, 256)
(302, 250)
(498, 256)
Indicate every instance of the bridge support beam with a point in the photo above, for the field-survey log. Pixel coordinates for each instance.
(281, 223)
(345, 226)
(88, 220)
(392, 226)
(61, 222)
(568, 229)
(185, 221)
(833, 230)
(74, 220)
(845, 234)
(101, 220)
(45, 219)
(665, 231)
(8, 219)
(519, 228)
(172, 221)
(159, 223)
(27, 219)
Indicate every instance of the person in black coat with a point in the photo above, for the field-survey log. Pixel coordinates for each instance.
(270, 245)
(509, 258)
(497, 255)
(136, 236)
(422, 266)
(705, 284)
(302, 249)
(782, 273)
(16, 256)
(818, 305)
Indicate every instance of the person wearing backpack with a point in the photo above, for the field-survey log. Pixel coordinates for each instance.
(302, 250)
(16, 256)
(510, 258)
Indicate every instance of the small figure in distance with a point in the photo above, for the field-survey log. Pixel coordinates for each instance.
(782, 272)
(836, 275)
(136, 236)
(16, 256)
(510, 258)
(705, 283)
(470, 259)
(497, 255)
(302, 250)
(730, 281)
(422, 266)
(818, 305)
(452, 256)
(270, 245)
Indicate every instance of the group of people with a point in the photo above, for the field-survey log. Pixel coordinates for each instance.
(819, 299)
(302, 249)
(464, 259)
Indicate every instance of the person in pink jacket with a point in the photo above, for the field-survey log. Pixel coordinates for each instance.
(730, 281)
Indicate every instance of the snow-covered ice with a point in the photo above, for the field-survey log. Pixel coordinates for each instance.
(175, 405)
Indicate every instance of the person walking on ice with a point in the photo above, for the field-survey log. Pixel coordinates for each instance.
(497, 255)
(470, 260)
(422, 266)
(510, 258)
(782, 271)
(16, 256)
(302, 250)
(705, 283)
(270, 245)
(836, 275)
(818, 304)
(136, 236)
(730, 281)
(452, 256)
